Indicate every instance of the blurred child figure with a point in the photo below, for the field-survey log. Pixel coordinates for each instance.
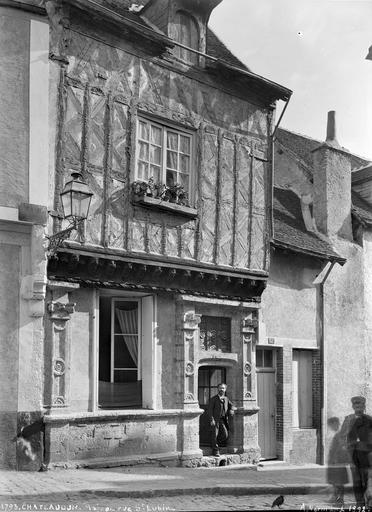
(338, 458)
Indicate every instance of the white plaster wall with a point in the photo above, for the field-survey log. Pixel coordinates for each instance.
(345, 336)
(367, 249)
(38, 112)
(289, 308)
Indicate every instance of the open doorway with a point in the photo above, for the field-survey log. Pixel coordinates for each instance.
(208, 379)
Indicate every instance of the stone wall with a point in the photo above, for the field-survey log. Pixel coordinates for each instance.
(14, 87)
(9, 347)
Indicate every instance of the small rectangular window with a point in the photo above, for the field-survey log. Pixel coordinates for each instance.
(164, 154)
(215, 333)
(264, 358)
(302, 389)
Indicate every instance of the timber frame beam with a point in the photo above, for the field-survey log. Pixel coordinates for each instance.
(96, 270)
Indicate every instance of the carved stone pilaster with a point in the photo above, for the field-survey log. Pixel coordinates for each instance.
(191, 322)
(59, 352)
(249, 337)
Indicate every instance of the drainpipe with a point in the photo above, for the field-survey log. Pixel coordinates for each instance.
(323, 359)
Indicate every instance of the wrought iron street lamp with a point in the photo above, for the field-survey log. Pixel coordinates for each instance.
(76, 197)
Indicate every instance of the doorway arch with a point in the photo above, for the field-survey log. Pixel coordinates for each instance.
(208, 379)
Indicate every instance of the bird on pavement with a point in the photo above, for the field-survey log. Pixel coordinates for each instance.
(278, 501)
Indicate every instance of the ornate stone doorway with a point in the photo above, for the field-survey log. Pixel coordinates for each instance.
(208, 379)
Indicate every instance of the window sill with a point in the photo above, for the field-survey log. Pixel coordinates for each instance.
(158, 204)
(121, 415)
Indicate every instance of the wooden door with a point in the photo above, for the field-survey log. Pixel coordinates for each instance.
(266, 400)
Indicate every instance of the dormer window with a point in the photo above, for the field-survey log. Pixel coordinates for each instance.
(186, 33)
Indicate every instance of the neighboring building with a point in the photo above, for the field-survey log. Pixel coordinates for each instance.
(158, 300)
(24, 166)
(316, 309)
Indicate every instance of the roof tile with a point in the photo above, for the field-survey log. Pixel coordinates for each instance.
(290, 230)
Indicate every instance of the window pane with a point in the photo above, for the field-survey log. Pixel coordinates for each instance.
(268, 358)
(216, 332)
(171, 160)
(126, 317)
(155, 173)
(184, 163)
(185, 144)
(172, 141)
(259, 358)
(125, 349)
(156, 135)
(184, 181)
(203, 377)
(216, 377)
(186, 33)
(142, 171)
(155, 155)
(143, 151)
(144, 130)
(171, 178)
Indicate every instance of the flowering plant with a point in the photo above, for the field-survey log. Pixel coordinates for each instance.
(172, 193)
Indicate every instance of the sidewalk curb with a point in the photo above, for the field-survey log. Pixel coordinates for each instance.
(227, 489)
(221, 489)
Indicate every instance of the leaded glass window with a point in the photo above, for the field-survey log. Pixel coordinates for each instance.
(215, 333)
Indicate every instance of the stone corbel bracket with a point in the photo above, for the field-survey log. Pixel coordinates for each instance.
(60, 311)
(58, 14)
(249, 327)
(34, 291)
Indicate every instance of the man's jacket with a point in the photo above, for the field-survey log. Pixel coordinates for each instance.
(214, 408)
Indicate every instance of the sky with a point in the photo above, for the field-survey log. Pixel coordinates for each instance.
(316, 48)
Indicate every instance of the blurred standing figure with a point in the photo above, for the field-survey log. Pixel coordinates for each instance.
(220, 409)
(358, 430)
(338, 457)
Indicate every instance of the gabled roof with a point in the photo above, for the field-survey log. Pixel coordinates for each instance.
(361, 209)
(290, 231)
(303, 147)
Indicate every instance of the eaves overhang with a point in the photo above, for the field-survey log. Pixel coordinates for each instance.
(146, 274)
(137, 26)
(264, 85)
(362, 219)
(278, 244)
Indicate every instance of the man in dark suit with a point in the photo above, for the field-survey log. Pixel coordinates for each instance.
(358, 428)
(220, 409)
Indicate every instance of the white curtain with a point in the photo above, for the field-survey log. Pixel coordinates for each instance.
(128, 321)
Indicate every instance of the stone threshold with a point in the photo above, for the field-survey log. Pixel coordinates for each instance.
(172, 459)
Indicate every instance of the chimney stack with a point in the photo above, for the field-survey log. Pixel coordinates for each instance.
(331, 129)
(332, 185)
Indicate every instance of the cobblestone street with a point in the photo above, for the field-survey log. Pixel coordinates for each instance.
(92, 502)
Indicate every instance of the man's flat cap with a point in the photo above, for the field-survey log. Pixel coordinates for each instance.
(358, 399)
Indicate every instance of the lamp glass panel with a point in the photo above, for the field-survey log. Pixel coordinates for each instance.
(80, 204)
(67, 203)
